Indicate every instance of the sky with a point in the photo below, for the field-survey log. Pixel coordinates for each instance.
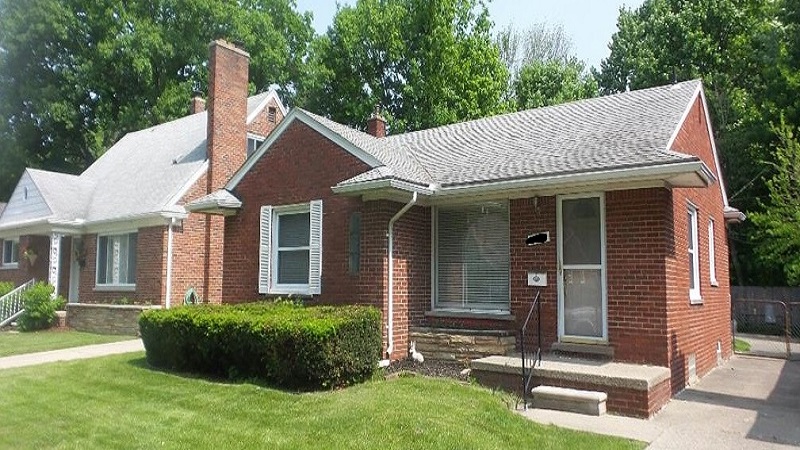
(590, 23)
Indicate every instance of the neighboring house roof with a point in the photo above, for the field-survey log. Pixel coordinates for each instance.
(2, 207)
(625, 133)
(144, 174)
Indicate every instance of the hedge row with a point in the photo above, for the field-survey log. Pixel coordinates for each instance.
(286, 345)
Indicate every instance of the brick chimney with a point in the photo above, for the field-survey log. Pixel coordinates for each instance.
(198, 104)
(227, 111)
(376, 124)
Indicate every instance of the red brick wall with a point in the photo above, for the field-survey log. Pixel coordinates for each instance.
(636, 242)
(190, 250)
(301, 166)
(150, 270)
(527, 216)
(696, 329)
(412, 267)
(24, 270)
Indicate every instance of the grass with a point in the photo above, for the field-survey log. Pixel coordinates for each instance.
(117, 402)
(740, 345)
(14, 343)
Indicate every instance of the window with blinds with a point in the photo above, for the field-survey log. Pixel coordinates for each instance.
(472, 257)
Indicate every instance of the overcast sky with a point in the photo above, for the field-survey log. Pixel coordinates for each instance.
(590, 23)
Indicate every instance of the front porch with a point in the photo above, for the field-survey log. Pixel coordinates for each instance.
(54, 258)
(632, 389)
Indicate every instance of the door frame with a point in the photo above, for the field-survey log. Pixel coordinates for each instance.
(562, 337)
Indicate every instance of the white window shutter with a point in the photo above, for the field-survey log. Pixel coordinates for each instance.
(265, 251)
(315, 254)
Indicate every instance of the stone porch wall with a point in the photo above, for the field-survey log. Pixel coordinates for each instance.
(461, 345)
(105, 319)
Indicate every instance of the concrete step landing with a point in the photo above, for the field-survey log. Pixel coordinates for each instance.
(591, 403)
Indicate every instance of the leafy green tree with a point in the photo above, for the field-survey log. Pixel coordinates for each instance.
(543, 69)
(426, 63)
(779, 223)
(550, 83)
(76, 75)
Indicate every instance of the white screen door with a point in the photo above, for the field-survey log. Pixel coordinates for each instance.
(581, 238)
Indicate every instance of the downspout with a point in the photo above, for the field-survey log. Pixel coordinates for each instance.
(390, 313)
(169, 262)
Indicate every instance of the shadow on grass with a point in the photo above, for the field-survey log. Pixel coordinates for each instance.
(141, 363)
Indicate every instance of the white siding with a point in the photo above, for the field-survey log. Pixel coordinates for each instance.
(20, 208)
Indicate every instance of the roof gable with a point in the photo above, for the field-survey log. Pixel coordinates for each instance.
(26, 202)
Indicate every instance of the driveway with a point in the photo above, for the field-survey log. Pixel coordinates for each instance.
(749, 402)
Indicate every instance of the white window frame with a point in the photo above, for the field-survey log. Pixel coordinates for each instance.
(267, 249)
(258, 140)
(13, 263)
(114, 286)
(693, 250)
(712, 256)
(277, 211)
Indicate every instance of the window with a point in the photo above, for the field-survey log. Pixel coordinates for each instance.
(116, 260)
(11, 253)
(253, 142)
(271, 114)
(712, 259)
(290, 253)
(354, 256)
(694, 260)
(472, 257)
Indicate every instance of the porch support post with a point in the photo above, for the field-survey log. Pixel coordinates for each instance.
(55, 259)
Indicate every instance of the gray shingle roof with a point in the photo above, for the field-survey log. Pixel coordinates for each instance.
(625, 130)
(398, 162)
(140, 174)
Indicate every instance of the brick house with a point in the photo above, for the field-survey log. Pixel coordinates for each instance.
(430, 226)
(120, 228)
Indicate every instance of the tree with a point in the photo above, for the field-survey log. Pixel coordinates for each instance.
(539, 43)
(779, 222)
(76, 75)
(425, 63)
(550, 83)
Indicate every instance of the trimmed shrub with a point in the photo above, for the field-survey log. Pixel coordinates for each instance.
(40, 307)
(6, 287)
(287, 345)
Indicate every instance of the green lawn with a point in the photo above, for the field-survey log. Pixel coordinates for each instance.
(117, 402)
(15, 343)
(741, 346)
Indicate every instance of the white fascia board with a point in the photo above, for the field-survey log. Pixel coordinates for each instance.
(634, 174)
(298, 114)
(271, 96)
(133, 222)
(358, 188)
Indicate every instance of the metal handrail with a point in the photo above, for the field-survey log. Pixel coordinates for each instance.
(527, 372)
(11, 304)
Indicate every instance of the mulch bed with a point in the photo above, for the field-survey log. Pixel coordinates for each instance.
(441, 369)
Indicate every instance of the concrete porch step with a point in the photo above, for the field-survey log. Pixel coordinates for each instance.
(632, 389)
(591, 403)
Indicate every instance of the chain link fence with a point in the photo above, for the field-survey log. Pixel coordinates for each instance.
(767, 328)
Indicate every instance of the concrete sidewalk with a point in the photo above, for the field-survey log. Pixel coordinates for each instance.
(70, 354)
(749, 402)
